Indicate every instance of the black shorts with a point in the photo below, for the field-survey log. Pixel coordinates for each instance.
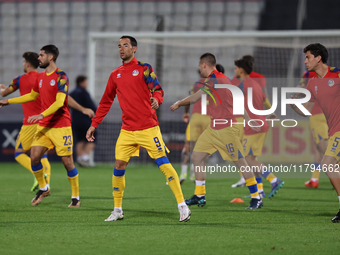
(79, 134)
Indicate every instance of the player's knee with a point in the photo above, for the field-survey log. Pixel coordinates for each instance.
(120, 164)
(195, 159)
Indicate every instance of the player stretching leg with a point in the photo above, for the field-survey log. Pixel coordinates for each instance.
(139, 94)
(54, 122)
(325, 90)
(319, 129)
(221, 137)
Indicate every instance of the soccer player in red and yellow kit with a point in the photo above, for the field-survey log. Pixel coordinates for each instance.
(223, 137)
(253, 141)
(319, 129)
(325, 90)
(54, 122)
(25, 84)
(139, 94)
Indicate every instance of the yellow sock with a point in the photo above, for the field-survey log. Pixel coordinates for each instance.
(171, 177)
(270, 177)
(73, 178)
(118, 186)
(200, 188)
(47, 168)
(252, 186)
(39, 175)
(24, 160)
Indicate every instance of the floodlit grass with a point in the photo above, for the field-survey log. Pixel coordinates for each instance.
(296, 221)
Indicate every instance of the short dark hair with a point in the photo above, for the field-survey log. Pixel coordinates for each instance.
(245, 63)
(220, 68)
(80, 79)
(317, 49)
(51, 49)
(32, 58)
(133, 40)
(209, 59)
(249, 57)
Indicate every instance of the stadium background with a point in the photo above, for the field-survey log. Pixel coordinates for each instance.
(28, 25)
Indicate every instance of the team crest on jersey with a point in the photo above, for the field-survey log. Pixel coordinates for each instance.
(135, 73)
(52, 82)
(40, 83)
(331, 83)
(119, 75)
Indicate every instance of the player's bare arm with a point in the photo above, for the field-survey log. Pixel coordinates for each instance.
(308, 106)
(188, 100)
(186, 115)
(89, 135)
(73, 103)
(252, 123)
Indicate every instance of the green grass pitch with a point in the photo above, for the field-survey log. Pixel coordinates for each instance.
(296, 221)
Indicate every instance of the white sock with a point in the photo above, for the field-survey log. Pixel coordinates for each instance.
(314, 179)
(118, 209)
(260, 190)
(184, 169)
(257, 197)
(44, 188)
(86, 157)
(48, 185)
(79, 158)
(200, 183)
(76, 197)
(274, 180)
(242, 179)
(200, 196)
(339, 199)
(181, 204)
(192, 169)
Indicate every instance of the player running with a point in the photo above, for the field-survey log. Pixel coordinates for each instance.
(139, 94)
(54, 127)
(325, 90)
(319, 129)
(223, 137)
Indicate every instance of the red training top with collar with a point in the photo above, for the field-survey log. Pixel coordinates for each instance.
(258, 98)
(216, 110)
(326, 92)
(133, 83)
(25, 84)
(303, 82)
(48, 85)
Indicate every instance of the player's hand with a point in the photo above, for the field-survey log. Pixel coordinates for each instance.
(3, 103)
(35, 118)
(89, 134)
(174, 107)
(293, 106)
(88, 112)
(186, 117)
(154, 103)
(272, 116)
(254, 125)
(2, 87)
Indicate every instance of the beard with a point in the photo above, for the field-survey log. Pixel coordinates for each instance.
(44, 65)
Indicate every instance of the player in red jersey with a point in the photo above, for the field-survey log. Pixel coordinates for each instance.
(319, 129)
(197, 124)
(54, 122)
(139, 94)
(223, 137)
(25, 83)
(253, 141)
(325, 90)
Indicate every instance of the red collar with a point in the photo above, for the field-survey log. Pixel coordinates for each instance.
(133, 61)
